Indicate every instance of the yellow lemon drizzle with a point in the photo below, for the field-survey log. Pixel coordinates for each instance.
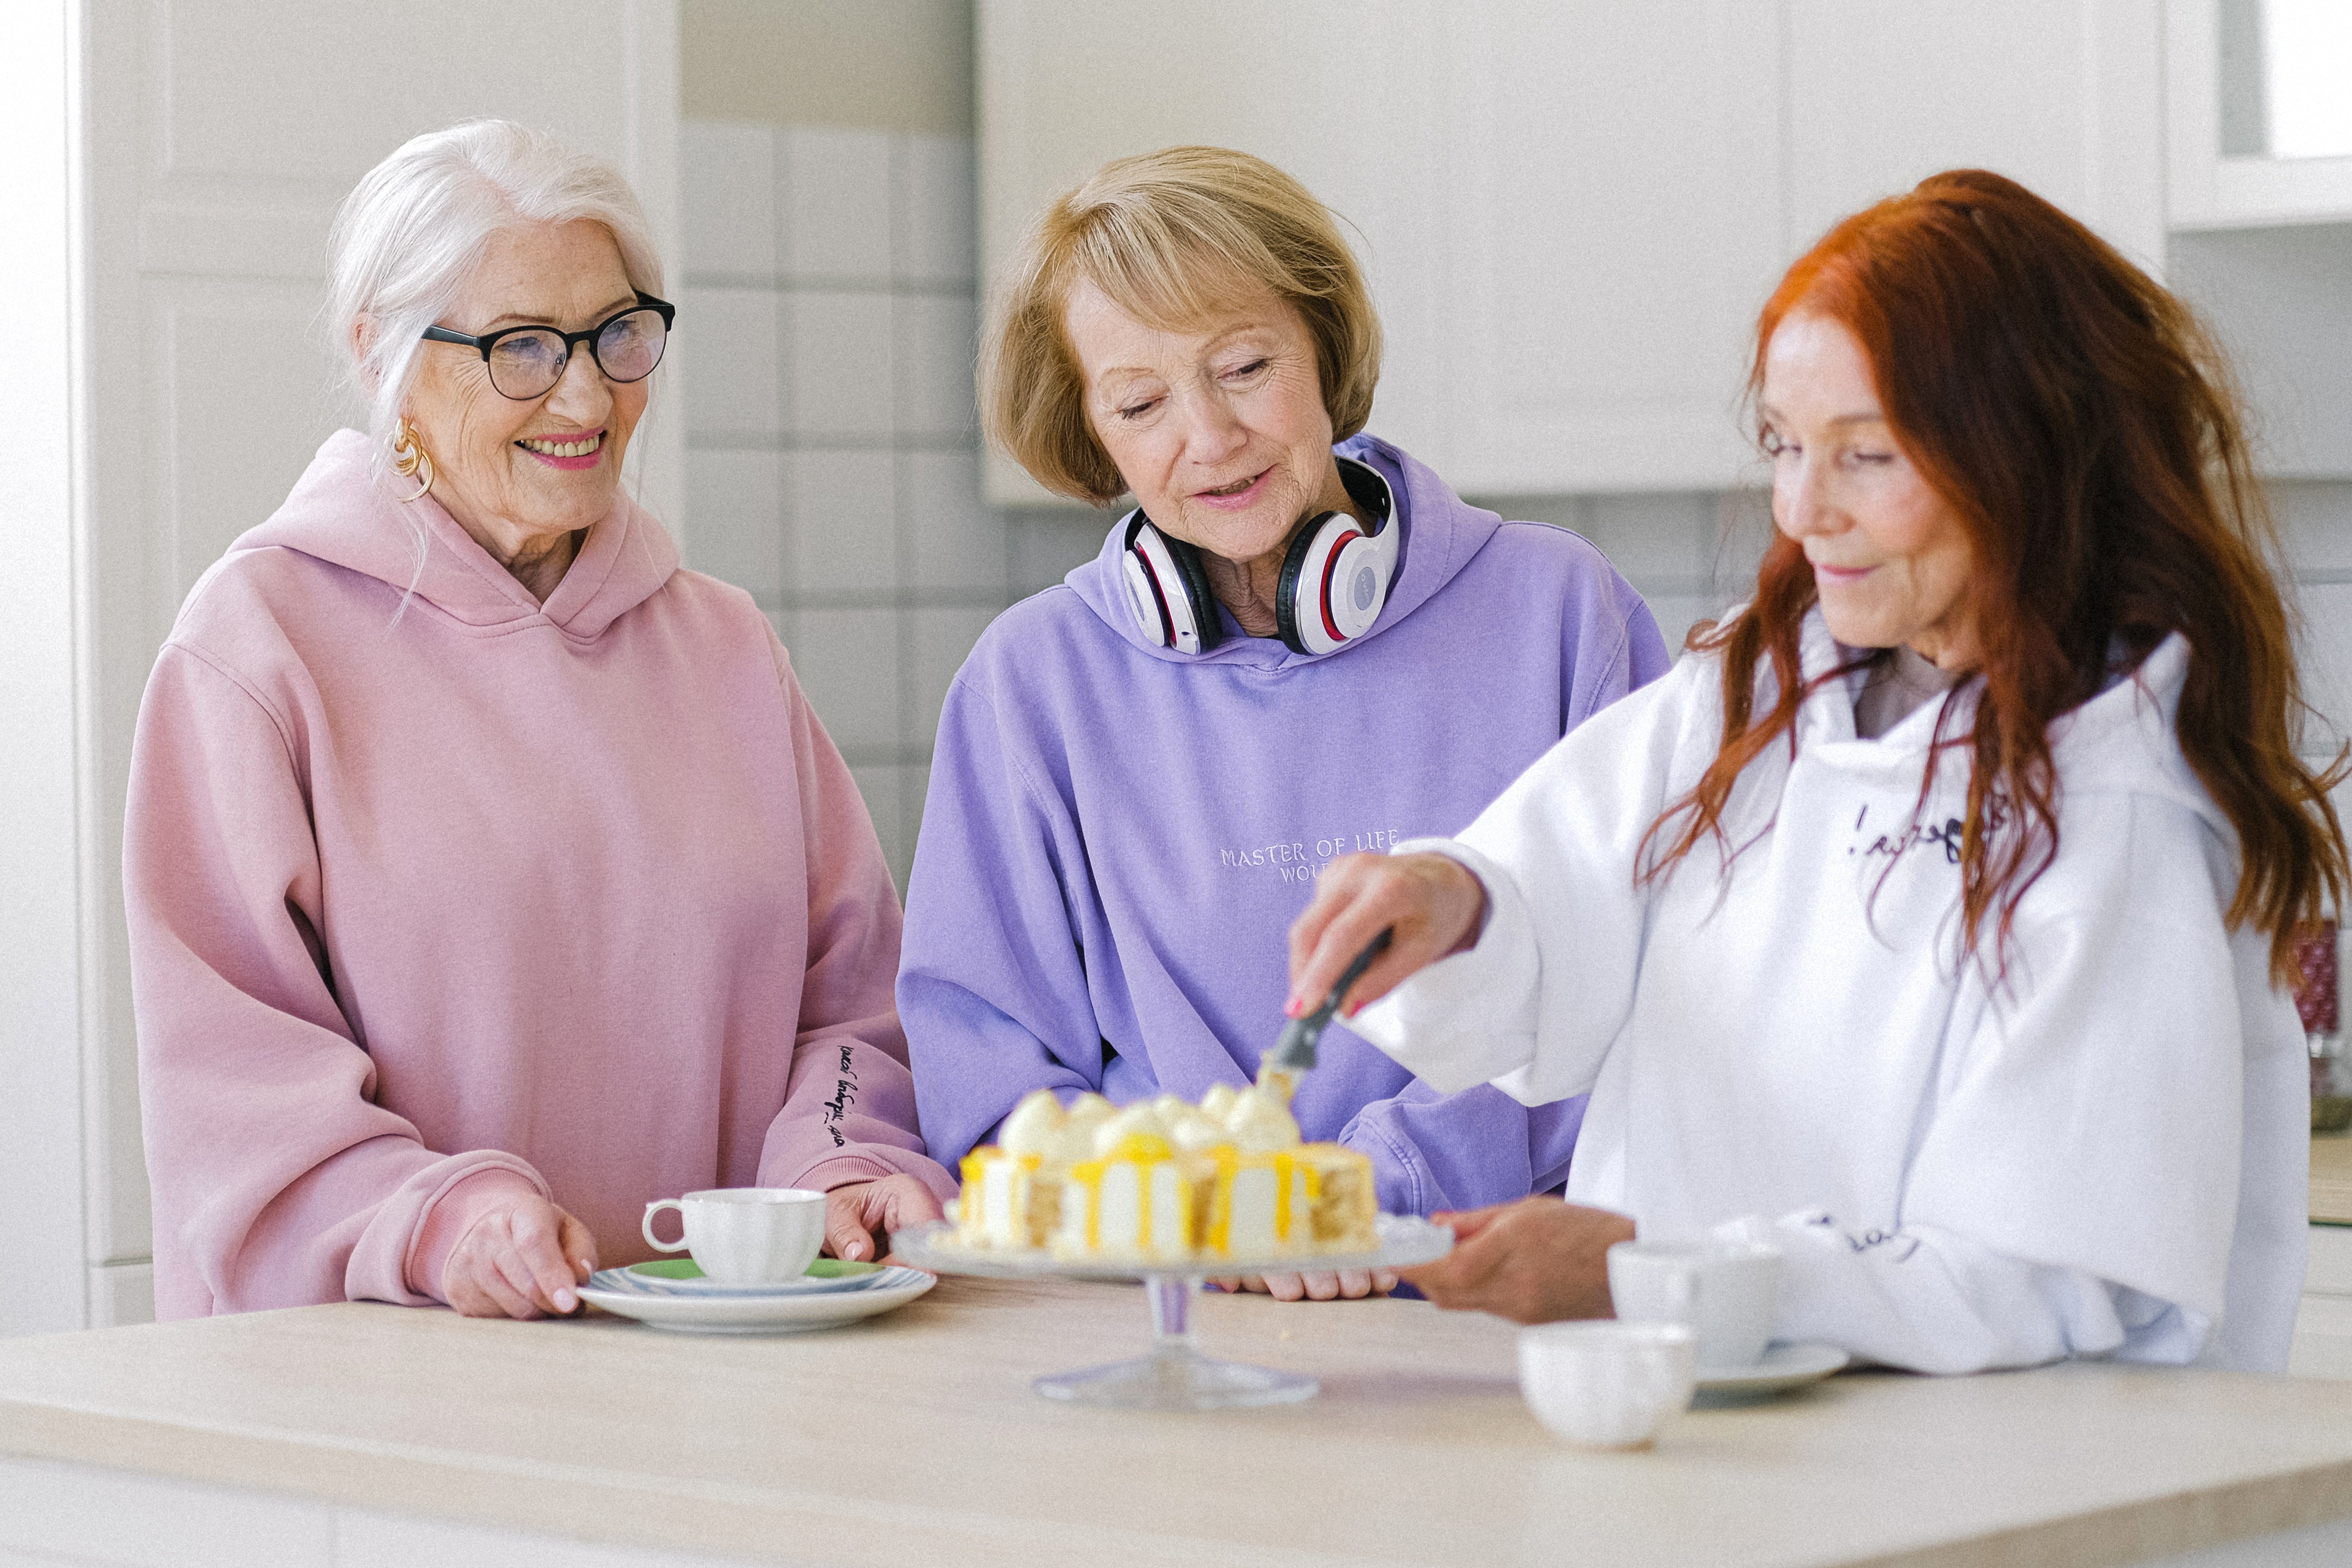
(1141, 1150)
(968, 1201)
(1221, 1204)
(1088, 1175)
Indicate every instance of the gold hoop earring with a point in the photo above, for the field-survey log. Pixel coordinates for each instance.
(409, 459)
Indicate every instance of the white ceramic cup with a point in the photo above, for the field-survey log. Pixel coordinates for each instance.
(1726, 1293)
(745, 1235)
(1606, 1385)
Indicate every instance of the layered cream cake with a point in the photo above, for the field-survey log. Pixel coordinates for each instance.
(1166, 1181)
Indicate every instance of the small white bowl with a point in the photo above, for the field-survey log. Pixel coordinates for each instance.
(1606, 1384)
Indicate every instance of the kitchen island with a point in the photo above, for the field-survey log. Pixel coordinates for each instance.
(362, 1434)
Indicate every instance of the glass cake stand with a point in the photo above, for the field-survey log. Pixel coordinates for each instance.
(1175, 1375)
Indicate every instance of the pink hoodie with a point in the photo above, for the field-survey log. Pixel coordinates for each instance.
(435, 905)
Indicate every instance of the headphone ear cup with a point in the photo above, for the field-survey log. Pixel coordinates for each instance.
(1294, 564)
(1168, 591)
(1187, 557)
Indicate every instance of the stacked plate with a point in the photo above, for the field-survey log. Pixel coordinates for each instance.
(672, 1293)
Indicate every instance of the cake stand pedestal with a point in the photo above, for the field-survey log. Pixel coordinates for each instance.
(1174, 1375)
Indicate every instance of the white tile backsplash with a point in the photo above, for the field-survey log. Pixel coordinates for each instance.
(2314, 524)
(727, 200)
(937, 343)
(1043, 544)
(842, 536)
(847, 661)
(839, 378)
(2325, 658)
(883, 790)
(912, 794)
(934, 229)
(834, 192)
(950, 538)
(1678, 613)
(730, 336)
(733, 495)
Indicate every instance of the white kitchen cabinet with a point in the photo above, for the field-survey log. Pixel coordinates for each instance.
(1571, 209)
(2223, 173)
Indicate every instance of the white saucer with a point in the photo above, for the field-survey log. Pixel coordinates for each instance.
(786, 1311)
(655, 1280)
(1784, 1367)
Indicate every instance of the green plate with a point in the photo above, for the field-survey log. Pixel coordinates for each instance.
(686, 1269)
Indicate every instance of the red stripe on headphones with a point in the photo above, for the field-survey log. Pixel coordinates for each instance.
(1159, 598)
(1331, 565)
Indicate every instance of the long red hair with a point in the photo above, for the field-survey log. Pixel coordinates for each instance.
(2082, 426)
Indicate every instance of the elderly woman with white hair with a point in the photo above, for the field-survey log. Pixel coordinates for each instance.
(489, 875)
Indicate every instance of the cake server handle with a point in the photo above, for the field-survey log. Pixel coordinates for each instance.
(1295, 1052)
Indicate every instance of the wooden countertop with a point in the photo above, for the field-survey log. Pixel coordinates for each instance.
(915, 1437)
(2331, 1178)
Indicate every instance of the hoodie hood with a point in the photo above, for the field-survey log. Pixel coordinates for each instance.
(339, 513)
(2121, 741)
(1439, 533)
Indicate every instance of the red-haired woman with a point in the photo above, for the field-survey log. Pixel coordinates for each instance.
(1929, 919)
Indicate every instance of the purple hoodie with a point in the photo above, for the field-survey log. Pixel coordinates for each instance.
(1118, 836)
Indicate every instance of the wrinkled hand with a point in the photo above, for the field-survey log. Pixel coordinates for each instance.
(1534, 1261)
(859, 1218)
(1315, 1284)
(1433, 904)
(519, 1261)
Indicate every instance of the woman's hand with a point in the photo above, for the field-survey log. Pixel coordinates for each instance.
(1433, 904)
(519, 1261)
(1315, 1284)
(859, 1218)
(1534, 1261)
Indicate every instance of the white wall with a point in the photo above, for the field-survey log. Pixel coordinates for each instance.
(42, 864)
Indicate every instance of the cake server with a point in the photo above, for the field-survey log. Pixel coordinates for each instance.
(1295, 1052)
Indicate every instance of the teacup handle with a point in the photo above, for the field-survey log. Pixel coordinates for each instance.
(656, 1243)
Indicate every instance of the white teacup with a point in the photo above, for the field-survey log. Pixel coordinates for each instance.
(1726, 1293)
(1606, 1385)
(745, 1235)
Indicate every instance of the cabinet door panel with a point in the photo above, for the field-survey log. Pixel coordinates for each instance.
(1618, 172)
(1881, 96)
(2062, 96)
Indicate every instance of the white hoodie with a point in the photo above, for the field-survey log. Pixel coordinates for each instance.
(2102, 1151)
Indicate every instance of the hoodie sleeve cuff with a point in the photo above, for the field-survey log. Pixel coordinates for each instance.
(1468, 1018)
(873, 1163)
(453, 1214)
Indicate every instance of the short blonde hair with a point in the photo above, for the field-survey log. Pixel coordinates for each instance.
(1170, 238)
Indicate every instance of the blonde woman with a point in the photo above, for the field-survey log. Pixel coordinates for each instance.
(1296, 642)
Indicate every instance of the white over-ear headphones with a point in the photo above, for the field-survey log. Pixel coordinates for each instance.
(1335, 578)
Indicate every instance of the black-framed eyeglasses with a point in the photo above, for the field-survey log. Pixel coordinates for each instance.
(527, 361)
